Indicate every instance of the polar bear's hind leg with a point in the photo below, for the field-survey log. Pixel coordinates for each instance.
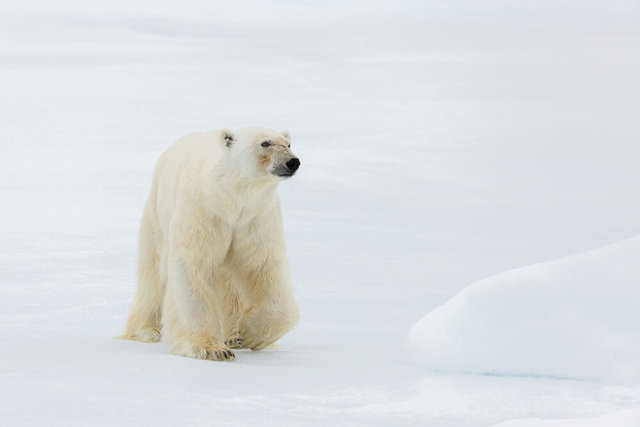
(145, 320)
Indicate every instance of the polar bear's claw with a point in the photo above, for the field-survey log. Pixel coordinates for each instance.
(223, 355)
(212, 354)
(234, 342)
(204, 351)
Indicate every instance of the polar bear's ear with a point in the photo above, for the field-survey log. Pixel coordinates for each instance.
(286, 134)
(226, 136)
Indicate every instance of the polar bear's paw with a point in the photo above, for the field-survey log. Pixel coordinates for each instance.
(258, 342)
(206, 351)
(212, 353)
(151, 335)
(234, 342)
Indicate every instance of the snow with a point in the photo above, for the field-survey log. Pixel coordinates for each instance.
(626, 418)
(575, 317)
(441, 143)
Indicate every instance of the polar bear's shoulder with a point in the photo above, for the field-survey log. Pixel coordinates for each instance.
(196, 142)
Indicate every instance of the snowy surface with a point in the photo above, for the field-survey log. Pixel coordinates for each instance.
(441, 143)
(577, 317)
(625, 418)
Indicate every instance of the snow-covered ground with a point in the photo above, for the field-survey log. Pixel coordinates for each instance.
(441, 143)
(574, 318)
(628, 417)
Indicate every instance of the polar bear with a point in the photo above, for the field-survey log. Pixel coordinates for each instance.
(212, 268)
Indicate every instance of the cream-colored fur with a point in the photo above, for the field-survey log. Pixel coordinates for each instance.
(212, 268)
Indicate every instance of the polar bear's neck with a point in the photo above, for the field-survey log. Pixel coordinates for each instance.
(237, 199)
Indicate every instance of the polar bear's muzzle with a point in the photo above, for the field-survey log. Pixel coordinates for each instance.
(287, 169)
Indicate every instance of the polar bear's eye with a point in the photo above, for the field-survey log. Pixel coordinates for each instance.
(266, 144)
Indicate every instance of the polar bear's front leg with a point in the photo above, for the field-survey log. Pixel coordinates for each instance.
(258, 256)
(268, 319)
(192, 315)
(271, 310)
(192, 310)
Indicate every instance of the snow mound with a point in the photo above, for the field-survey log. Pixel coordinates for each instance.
(626, 418)
(576, 317)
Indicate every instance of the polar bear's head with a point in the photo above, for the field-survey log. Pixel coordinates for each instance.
(261, 153)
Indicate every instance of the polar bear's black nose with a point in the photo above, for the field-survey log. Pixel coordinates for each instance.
(293, 164)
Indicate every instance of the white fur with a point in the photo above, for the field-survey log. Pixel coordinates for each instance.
(212, 266)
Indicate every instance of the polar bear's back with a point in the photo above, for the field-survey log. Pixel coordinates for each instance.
(188, 153)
